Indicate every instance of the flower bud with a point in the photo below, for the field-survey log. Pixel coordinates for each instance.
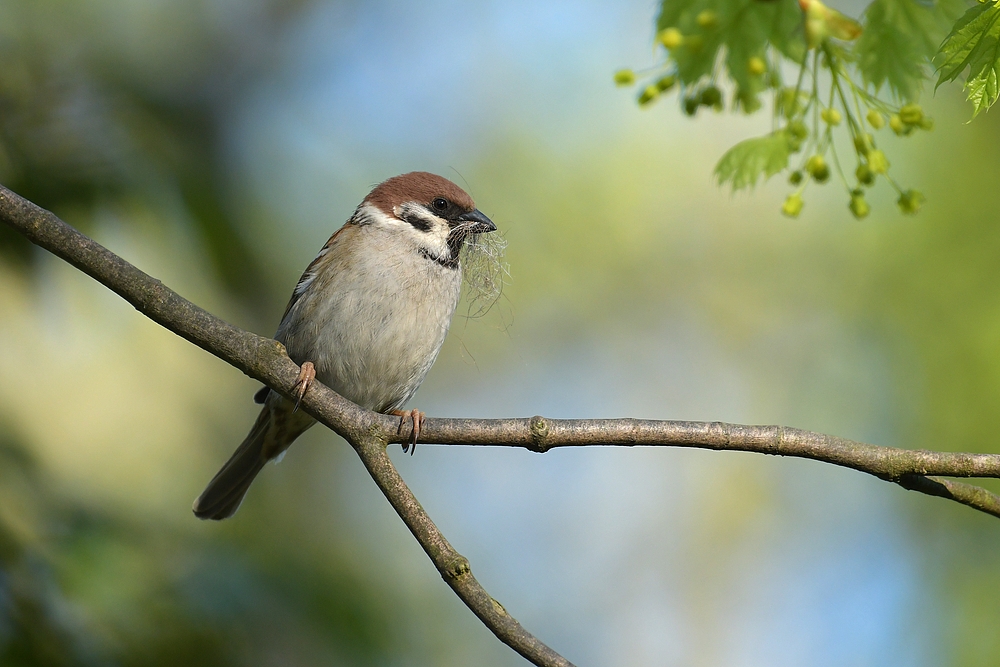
(865, 175)
(909, 202)
(624, 77)
(707, 19)
(927, 123)
(795, 177)
(875, 119)
(798, 129)
(818, 168)
(691, 105)
(830, 116)
(792, 206)
(648, 94)
(756, 66)
(911, 114)
(711, 97)
(859, 207)
(877, 162)
(663, 84)
(671, 38)
(897, 125)
(863, 143)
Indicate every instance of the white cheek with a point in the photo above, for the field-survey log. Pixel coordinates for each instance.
(434, 239)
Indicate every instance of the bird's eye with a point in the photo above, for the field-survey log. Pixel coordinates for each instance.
(440, 204)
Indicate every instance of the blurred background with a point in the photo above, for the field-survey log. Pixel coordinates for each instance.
(216, 144)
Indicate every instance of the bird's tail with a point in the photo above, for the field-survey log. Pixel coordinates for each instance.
(223, 495)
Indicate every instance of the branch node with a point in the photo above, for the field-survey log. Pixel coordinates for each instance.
(539, 432)
(499, 608)
(457, 567)
(779, 439)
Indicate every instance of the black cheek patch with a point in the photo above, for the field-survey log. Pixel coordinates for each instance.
(417, 222)
(446, 262)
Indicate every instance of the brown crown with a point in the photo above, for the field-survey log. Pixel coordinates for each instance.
(420, 187)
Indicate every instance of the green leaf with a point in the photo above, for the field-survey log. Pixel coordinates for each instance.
(983, 87)
(674, 12)
(742, 27)
(899, 39)
(779, 23)
(974, 43)
(744, 163)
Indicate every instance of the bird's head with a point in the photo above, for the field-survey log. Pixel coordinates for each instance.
(437, 215)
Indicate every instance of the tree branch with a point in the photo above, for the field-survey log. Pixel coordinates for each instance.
(265, 360)
(907, 467)
(369, 433)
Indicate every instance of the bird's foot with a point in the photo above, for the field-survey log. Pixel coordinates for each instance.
(417, 418)
(307, 373)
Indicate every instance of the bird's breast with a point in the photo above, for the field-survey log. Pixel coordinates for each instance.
(373, 323)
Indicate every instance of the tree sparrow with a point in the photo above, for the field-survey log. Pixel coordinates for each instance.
(367, 318)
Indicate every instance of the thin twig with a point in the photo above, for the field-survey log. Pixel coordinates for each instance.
(907, 467)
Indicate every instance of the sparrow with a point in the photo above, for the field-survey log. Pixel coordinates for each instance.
(367, 318)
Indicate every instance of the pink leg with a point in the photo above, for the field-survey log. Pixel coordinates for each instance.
(417, 418)
(307, 373)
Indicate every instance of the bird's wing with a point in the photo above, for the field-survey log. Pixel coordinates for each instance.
(310, 273)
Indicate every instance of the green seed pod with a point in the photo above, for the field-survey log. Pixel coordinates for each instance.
(798, 129)
(865, 175)
(818, 168)
(911, 114)
(859, 207)
(877, 162)
(897, 124)
(665, 83)
(795, 177)
(830, 116)
(875, 119)
(909, 202)
(711, 96)
(648, 95)
(707, 19)
(624, 77)
(815, 163)
(691, 105)
(756, 66)
(671, 38)
(792, 206)
(863, 143)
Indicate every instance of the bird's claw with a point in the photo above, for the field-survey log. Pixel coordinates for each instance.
(307, 373)
(417, 418)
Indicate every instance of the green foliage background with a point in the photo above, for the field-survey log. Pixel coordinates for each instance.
(864, 72)
(116, 116)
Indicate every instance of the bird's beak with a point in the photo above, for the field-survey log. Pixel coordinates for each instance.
(480, 224)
